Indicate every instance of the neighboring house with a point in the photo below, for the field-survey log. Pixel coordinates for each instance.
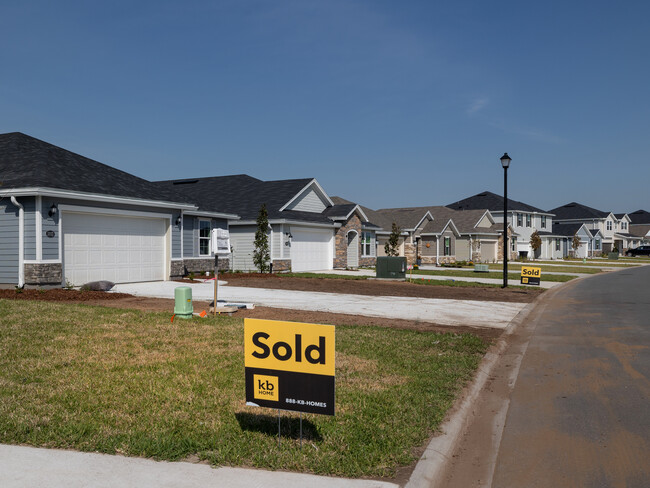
(65, 218)
(434, 235)
(591, 240)
(307, 230)
(470, 235)
(614, 230)
(639, 227)
(523, 220)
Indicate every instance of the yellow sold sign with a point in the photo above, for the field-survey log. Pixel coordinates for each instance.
(530, 275)
(290, 365)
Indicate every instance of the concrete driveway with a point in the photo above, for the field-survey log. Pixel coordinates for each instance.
(439, 311)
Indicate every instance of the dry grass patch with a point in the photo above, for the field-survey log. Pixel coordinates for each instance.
(131, 382)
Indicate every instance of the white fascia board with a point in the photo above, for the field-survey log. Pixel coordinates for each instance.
(333, 225)
(346, 217)
(489, 214)
(96, 197)
(218, 215)
(422, 219)
(307, 187)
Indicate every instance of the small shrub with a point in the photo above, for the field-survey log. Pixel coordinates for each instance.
(191, 275)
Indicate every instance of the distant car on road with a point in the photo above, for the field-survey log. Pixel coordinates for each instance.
(639, 251)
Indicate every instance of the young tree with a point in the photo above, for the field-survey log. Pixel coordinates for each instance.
(575, 243)
(535, 242)
(261, 255)
(392, 244)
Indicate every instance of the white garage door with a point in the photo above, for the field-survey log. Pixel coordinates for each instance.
(311, 249)
(114, 248)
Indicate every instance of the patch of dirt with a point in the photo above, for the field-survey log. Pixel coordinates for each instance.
(373, 287)
(60, 295)
(123, 300)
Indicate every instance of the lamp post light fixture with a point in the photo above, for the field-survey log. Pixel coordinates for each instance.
(505, 162)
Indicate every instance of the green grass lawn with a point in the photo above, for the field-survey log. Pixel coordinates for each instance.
(492, 274)
(131, 382)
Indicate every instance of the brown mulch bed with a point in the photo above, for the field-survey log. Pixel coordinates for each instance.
(373, 287)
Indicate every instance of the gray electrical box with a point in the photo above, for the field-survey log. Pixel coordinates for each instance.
(391, 267)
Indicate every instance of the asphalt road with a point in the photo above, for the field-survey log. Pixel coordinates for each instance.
(569, 403)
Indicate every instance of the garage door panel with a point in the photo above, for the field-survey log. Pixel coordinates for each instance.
(311, 249)
(115, 248)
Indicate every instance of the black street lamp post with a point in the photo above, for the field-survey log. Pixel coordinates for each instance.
(505, 162)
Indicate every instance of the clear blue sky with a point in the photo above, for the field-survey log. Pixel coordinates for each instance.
(386, 103)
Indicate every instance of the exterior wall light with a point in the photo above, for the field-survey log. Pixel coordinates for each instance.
(53, 210)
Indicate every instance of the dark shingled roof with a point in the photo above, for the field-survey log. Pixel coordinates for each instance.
(27, 162)
(244, 195)
(639, 217)
(406, 218)
(576, 210)
(566, 230)
(376, 220)
(339, 210)
(492, 202)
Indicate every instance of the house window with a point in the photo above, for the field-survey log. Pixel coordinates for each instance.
(597, 245)
(609, 225)
(557, 244)
(527, 220)
(513, 245)
(204, 237)
(366, 240)
(520, 221)
(624, 225)
(447, 246)
(543, 221)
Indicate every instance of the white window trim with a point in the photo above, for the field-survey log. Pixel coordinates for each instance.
(209, 221)
(363, 245)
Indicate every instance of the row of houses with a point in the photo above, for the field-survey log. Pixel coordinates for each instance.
(67, 219)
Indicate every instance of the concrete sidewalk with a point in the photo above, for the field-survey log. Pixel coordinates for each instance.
(444, 312)
(28, 467)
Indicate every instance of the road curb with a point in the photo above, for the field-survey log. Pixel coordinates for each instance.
(429, 469)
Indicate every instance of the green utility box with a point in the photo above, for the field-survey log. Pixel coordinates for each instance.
(612, 255)
(481, 268)
(183, 307)
(391, 267)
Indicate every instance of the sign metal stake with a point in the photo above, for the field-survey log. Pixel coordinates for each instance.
(278, 427)
(216, 284)
(300, 430)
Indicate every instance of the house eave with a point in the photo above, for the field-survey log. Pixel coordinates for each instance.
(97, 197)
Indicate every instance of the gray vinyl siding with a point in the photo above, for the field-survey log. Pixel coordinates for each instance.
(30, 227)
(452, 243)
(8, 242)
(462, 249)
(431, 250)
(242, 240)
(308, 202)
(50, 244)
(188, 237)
(176, 237)
(276, 245)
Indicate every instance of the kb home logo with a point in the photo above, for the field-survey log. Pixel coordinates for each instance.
(289, 365)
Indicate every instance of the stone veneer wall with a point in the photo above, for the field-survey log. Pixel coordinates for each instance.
(341, 241)
(181, 268)
(43, 274)
(368, 262)
(512, 254)
(281, 265)
(409, 253)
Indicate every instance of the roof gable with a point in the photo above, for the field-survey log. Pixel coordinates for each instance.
(312, 198)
